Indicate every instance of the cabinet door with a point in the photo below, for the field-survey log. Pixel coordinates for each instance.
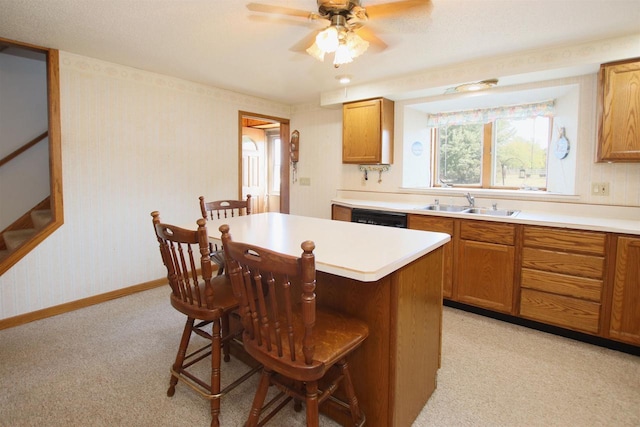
(619, 111)
(625, 306)
(367, 132)
(340, 213)
(441, 225)
(485, 275)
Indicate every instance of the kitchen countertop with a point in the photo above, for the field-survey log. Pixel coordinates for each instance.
(358, 251)
(530, 217)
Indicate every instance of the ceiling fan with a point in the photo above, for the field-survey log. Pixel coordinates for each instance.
(345, 34)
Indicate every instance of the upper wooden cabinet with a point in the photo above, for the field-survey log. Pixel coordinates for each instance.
(367, 132)
(619, 111)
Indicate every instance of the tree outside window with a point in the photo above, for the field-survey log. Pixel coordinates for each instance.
(503, 153)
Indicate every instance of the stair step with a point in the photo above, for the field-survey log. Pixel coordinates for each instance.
(41, 218)
(4, 254)
(13, 239)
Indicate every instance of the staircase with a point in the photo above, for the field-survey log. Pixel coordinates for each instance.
(24, 228)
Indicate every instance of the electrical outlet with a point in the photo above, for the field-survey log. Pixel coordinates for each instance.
(600, 188)
(305, 181)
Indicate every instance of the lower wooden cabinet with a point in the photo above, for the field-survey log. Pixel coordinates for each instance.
(559, 310)
(561, 281)
(485, 265)
(340, 213)
(441, 225)
(580, 280)
(624, 322)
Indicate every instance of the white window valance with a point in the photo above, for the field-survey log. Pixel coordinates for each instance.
(485, 115)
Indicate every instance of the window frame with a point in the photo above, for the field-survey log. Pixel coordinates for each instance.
(487, 160)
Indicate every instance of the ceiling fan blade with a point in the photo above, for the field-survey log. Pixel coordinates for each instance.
(376, 43)
(398, 7)
(287, 21)
(303, 44)
(265, 8)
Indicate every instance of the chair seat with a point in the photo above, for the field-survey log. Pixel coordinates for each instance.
(224, 300)
(335, 334)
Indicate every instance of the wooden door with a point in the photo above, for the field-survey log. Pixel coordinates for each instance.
(254, 170)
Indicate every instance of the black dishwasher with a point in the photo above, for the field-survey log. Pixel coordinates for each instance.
(388, 219)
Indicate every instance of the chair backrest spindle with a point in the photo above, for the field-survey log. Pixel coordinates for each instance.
(267, 283)
(185, 253)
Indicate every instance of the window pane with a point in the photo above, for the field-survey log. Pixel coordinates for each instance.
(520, 152)
(460, 154)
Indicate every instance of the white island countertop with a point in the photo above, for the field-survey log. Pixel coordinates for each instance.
(357, 251)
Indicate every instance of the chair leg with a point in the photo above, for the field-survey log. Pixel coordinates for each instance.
(226, 331)
(258, 399)
(215, 373)
(182, 351)
(356, 414)
(313, 417)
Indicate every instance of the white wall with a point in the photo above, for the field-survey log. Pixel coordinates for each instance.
(320, 159)
(132, 142)
(24, 181)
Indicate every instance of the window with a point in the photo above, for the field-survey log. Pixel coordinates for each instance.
(520, 153)
(506, 149)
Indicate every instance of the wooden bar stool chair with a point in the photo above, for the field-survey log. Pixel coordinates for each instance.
(199, 295)
(223, 209)
(298, 344)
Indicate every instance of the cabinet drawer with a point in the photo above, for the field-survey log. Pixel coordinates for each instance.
(565, 240)
(430, 223)
(491, 232)
(564, 263)
(562, 284)
(559, 310)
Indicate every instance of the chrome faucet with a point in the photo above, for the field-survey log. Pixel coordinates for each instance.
(471, 199)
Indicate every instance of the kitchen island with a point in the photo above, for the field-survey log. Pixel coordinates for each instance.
(392, 279)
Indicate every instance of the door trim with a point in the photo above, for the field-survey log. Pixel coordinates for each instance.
(285, 169)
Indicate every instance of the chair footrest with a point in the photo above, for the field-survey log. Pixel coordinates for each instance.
(203, 388)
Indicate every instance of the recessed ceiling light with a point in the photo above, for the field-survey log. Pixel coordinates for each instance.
(344, 79)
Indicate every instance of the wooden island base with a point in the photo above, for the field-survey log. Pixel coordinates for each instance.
(394, 371)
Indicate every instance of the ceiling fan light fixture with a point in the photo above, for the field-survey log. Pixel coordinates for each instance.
(315, 51)
(328, 39)
(342, 56)
(356, 44)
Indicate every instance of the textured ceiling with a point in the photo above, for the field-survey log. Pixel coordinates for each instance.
(223, 44)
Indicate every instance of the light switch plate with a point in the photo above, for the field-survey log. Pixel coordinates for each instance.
(305, 181)
(600, 188)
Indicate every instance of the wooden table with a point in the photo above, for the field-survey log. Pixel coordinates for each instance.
(389, 277)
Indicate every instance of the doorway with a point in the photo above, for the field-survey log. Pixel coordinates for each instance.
(264, 161)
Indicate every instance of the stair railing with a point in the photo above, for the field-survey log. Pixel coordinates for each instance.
(24, 148)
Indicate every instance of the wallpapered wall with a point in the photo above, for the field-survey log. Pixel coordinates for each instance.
(132, 142)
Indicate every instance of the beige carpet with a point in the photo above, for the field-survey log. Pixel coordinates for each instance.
(108, 365)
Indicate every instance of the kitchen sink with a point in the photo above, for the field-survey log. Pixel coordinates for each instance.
(492, 212)
(446, 208)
